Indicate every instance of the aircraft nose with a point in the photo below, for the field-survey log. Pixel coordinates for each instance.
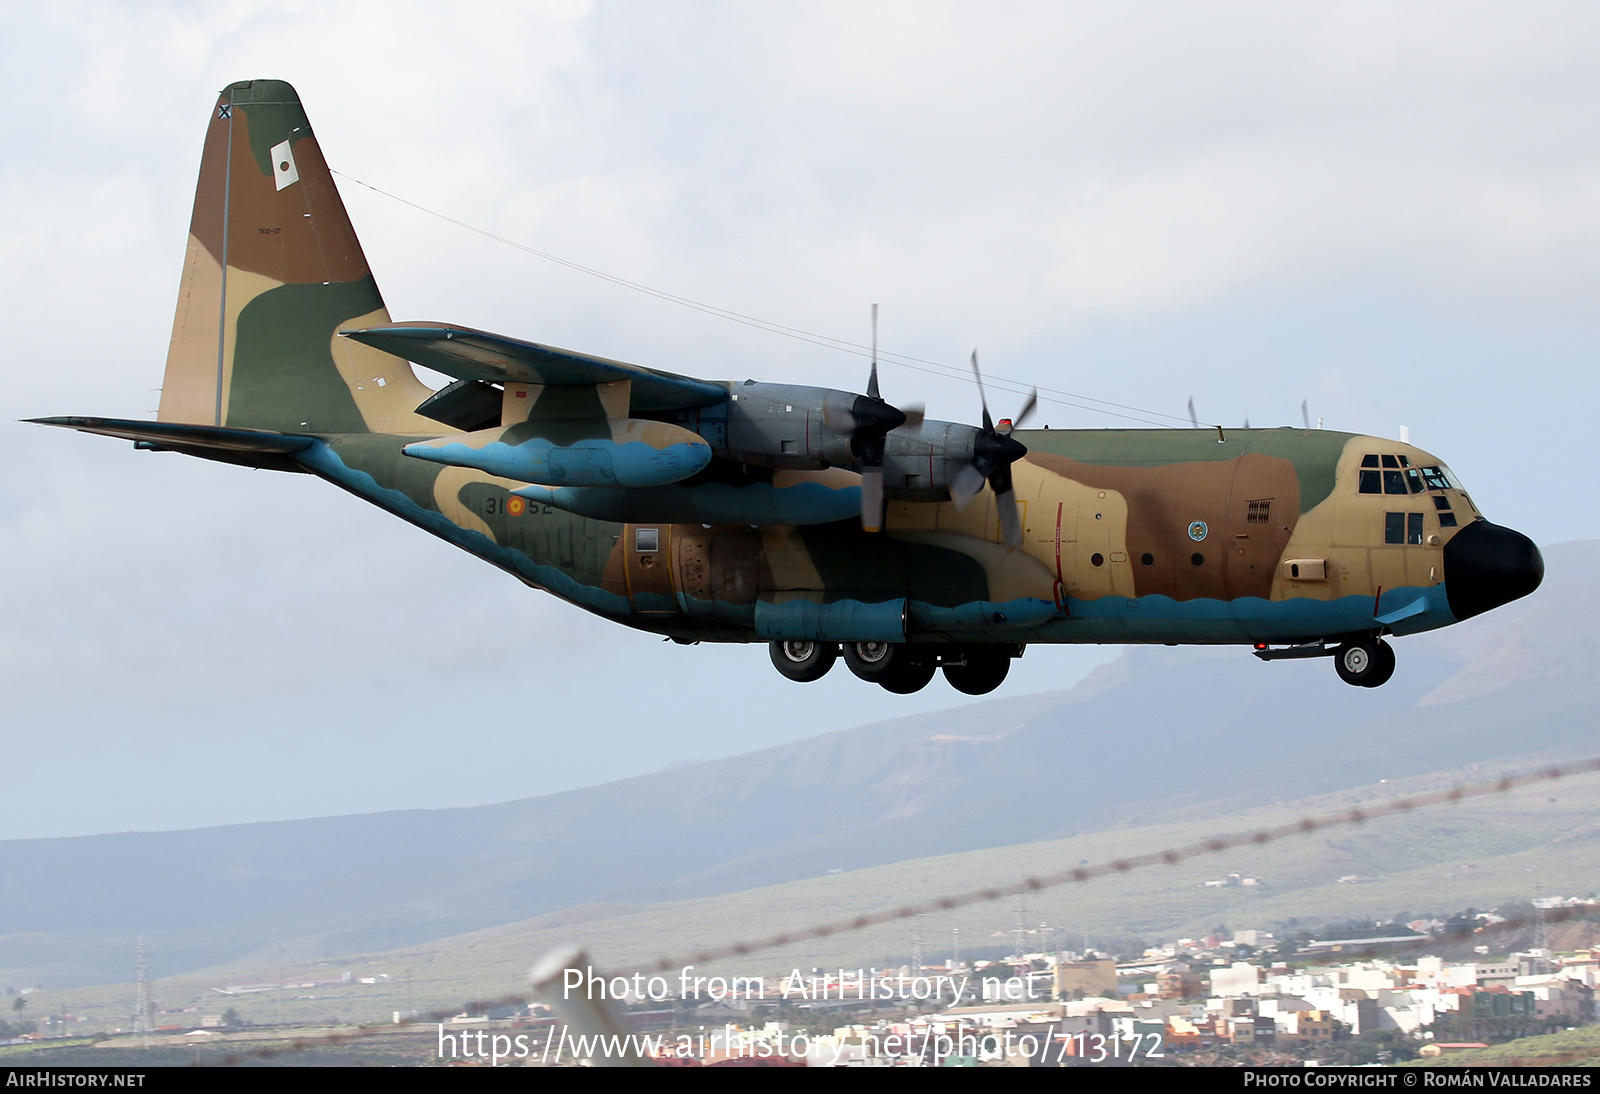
(1486, 566)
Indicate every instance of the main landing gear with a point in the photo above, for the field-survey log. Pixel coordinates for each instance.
(897, 666)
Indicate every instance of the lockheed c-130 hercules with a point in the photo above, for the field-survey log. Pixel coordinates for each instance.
(818, 521)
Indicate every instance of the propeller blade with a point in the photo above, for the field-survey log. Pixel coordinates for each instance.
(872, 499)
(1027, 409)
(914, 412)
(872, 377)
(965, 486)
(1010, 520)
(1195, 422)
(988, 422)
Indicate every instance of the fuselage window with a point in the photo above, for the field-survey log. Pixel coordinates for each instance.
(1447, 520)
(1371, 481)
(1394, 482)
(647, 540)
(1440, 501)
(1369, 460)
(1394, 527)
(1414, 529)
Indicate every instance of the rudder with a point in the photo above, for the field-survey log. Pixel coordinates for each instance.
(273, 271)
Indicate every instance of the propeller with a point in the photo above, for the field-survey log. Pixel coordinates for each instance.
(872, 420)
(993, 453)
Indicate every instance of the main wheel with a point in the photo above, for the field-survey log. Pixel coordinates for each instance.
(1364, 662)
(908, 675)
(985, 669)
(872, 661)
(803, 661)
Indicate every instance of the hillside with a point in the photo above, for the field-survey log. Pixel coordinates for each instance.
(1482, 852)
(1158, 736)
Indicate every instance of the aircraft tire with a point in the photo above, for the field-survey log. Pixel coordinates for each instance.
(985, 670)
(910, 675)
(803, 661)
(874, 661)
(1364, 662)
(1384, 667)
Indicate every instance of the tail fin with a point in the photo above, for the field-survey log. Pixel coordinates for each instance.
(272, 273)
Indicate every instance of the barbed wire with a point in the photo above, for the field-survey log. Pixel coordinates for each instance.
(1306, 825)
(1170, 857)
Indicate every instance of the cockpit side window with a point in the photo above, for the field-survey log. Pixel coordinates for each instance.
(1437, 478)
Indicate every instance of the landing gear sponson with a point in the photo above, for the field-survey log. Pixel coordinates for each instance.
(1363, 661)
(898, 667)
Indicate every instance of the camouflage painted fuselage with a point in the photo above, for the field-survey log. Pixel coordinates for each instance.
(1129, 536)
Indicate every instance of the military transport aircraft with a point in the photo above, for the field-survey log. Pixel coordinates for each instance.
(821, 522)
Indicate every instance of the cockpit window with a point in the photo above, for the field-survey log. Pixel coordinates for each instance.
(1396, 475)
(1437, 478)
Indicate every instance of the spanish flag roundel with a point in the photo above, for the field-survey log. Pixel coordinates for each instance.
(516, 506)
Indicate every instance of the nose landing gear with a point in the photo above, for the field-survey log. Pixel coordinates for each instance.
(1361, 660)
(1364, 662)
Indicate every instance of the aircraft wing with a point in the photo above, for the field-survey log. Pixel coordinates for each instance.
(469, 354)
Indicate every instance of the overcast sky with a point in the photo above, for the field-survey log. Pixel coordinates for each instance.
(1391, 211)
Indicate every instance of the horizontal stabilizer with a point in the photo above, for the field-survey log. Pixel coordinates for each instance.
(469, 354)
(250, 447)
(175, 434)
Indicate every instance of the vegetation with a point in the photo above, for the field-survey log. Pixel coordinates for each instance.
(1571, 1046)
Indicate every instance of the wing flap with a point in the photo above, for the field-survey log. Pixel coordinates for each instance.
(468, 354)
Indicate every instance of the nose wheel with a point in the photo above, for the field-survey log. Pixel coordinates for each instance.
(1364, 662)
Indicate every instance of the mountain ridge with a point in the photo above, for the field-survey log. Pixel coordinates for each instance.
(1152, 734)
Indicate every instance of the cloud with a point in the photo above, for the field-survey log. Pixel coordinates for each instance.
(1390, 210)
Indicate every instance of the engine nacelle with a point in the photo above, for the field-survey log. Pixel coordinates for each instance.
(788, 426)
(920, 462)
(796, 428)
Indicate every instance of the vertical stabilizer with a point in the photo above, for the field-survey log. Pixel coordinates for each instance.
(273, 272)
